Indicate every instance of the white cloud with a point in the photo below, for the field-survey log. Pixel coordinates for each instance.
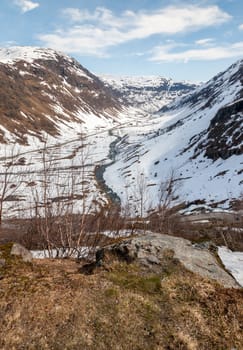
(167, 54)
(86, 40)
(73, 14)
(26, 5)
(100, 15)
(93, 32)
(204, 42)
(241, 26)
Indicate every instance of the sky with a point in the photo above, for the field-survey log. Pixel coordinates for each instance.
(185, 40)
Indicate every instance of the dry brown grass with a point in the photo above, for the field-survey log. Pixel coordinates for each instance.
(49, 305)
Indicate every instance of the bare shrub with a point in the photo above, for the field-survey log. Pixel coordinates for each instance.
(10, 179)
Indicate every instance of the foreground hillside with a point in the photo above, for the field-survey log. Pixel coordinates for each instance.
(50, 305)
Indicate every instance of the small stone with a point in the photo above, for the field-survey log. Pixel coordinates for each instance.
(145, 262)
(2, 262)
(153, 259)
(142, 255)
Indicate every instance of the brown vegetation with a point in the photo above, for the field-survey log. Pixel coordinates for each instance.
(49, 305)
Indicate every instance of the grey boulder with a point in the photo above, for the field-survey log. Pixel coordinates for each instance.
(19, 250)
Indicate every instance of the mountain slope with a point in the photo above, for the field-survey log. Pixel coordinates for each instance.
(221, 99)
(198, 136)
(149, 93)
(45, 92)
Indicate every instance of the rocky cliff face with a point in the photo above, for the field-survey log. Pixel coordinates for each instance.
(225, 133)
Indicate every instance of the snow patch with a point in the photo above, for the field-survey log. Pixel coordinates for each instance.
(233, 262)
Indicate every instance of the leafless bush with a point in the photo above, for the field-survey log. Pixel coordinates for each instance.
(10, 179)
(139, 211)
(167, 214)
(137, 204)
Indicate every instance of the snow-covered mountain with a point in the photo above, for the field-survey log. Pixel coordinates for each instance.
(43, 92)
(149, 93)
(199, 137)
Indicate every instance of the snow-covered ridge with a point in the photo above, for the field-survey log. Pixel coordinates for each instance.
(140, 81)
(13, 54)
(224, 85)
(149, 93)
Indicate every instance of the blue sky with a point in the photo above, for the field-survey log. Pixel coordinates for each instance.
(190, 40)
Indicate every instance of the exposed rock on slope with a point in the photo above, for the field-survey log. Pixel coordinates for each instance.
(225, 133)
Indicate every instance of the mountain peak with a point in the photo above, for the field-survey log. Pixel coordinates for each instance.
(11, 55)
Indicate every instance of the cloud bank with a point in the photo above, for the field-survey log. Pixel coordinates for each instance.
(166, 54)
(93, 33)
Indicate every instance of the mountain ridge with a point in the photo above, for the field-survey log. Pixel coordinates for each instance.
(149, 93)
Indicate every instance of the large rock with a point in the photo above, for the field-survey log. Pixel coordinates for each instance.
(19, 250)
(148, 250)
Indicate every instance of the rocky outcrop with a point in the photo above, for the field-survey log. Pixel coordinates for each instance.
(19, 250)
(149, 250)
(224, 134)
